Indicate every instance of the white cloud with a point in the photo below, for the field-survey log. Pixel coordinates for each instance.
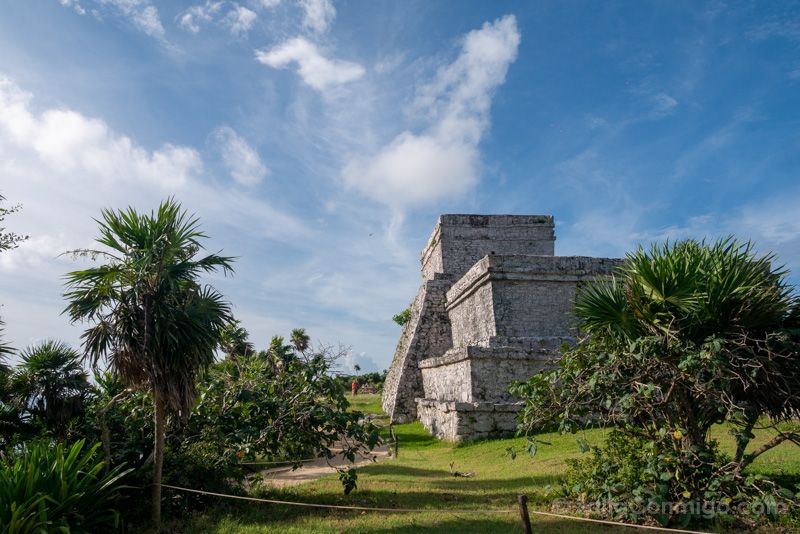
(239, 157)
(318, 14)
(142, 14)
(316, 70)
(193, 18)
(269, 4)
(64, 167)
(239, 20)
(444, 160)
(68, 142)
(415, 170)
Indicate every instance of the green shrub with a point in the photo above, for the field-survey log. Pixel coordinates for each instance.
(684, 336)
(46, 489)
(632, 478)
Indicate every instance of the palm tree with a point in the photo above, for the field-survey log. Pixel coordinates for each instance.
(300, 340)
(233, 341)
(50, 384)
(155, 325)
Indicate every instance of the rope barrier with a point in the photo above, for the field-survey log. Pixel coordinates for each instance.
(284, 462)
(428, 510)
(614, 523)
(337, 506)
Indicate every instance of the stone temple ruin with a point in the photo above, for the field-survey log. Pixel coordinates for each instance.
(495, 305)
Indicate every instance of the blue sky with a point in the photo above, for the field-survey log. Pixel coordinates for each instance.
(318, 140)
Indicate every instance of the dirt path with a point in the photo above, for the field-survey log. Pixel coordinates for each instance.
(284, 476)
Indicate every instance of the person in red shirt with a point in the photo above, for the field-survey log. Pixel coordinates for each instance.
(354, 387)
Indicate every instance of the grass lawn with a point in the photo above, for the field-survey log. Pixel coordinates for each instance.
(420, 478)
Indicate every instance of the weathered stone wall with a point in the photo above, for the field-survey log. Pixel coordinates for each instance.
(517, 297)
(472, 319)
(481, 374)
(447, 377)
(458, 241)
(538, 296)
(465, 421)
(497, 370)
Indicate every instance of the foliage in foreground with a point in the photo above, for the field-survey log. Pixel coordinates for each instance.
(47, 488)
(686, 336)
(276, 405)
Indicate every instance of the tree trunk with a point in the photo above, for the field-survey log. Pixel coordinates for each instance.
(158, 453)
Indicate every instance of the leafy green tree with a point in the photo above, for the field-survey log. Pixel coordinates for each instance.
(250, 408)
(50, 385)
(685, 336)
(154, 323)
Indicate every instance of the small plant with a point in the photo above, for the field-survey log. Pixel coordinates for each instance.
(49, 489)
(402, 317)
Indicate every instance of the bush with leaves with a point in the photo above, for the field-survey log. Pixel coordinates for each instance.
(278, 405)
(685, 336)
(47, 488)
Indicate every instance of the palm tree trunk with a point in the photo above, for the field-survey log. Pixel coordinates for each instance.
(158, 453)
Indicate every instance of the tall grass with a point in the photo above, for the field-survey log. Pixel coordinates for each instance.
(46, 488)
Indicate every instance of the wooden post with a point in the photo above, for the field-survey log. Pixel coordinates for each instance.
(523, 513)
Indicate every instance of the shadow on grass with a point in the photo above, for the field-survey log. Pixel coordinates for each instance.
(265, 516)
(482, 526)
(446, 481)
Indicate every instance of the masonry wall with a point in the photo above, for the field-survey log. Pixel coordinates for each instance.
(491, 377)
(462, 421)
(447, 381)
(472, 318)
(458, 241)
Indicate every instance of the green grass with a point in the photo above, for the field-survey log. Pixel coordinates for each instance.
(420, 478)
(370, 404)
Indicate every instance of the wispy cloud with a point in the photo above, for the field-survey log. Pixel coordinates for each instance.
(196, 16)
(74, 4)
(443, 160)
(318, 14)
(141, 13)
(663, 105)
(316, 70)
(239, 20)
(242, 161)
